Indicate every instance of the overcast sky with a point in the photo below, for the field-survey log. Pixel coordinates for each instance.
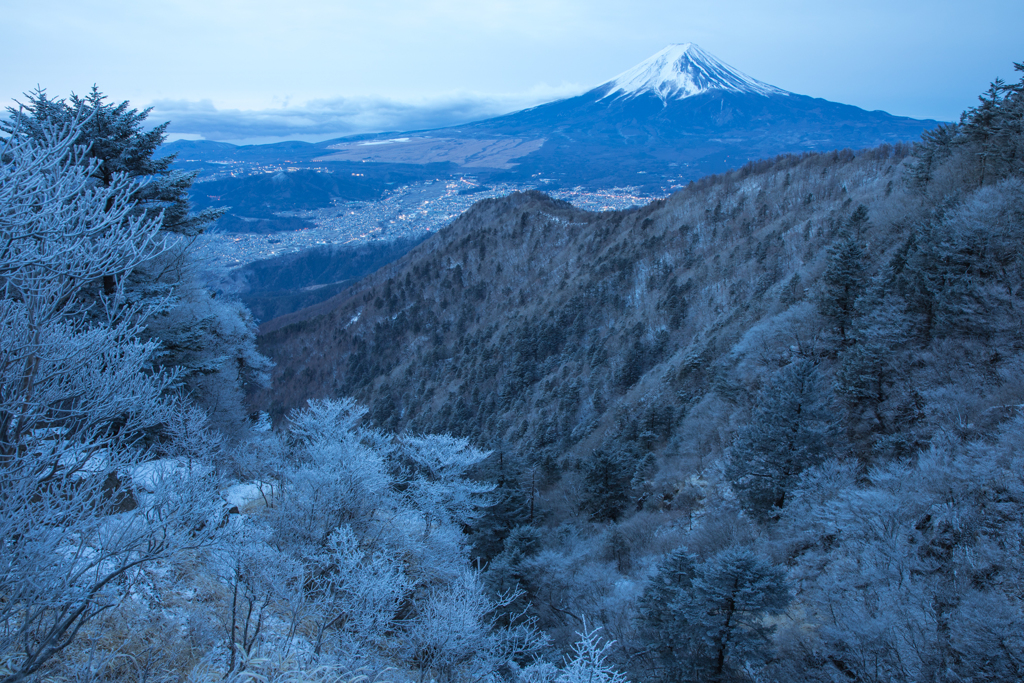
(258, 70)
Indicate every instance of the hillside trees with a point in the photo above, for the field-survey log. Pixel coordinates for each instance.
(960, 276)
(607, 475)
(377, 523)
(986, 146)
(843, 279)
(78, 394)
(901, 567)
(664, 613)
(870, 371)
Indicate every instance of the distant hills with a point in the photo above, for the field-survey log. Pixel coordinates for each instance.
(679, 115)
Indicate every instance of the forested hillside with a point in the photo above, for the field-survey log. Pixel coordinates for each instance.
(767, 428)
(539, 327)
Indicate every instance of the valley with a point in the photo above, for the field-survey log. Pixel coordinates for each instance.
(678, 116)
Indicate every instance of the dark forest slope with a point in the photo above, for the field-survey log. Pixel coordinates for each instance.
(278, 286)
(543, 330)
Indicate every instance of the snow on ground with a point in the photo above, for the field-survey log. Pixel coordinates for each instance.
(245, 494)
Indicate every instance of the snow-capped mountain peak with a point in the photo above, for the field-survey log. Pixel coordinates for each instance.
(683, 70)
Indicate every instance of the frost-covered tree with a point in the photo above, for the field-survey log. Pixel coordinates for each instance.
(378, 524)
(440, 486)
(210, 340)
(356, 592)
(79, 516)
(506, 571)
(335, 477)
(792, 429)
(607, 473)
(707, 619)
(986, 146)
(588, 663)
(665, 611)
(843, 278)
(735, 590)
(869, 370)
(965, 265)
(455, 635)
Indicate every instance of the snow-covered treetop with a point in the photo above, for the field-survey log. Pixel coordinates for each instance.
(683, 70)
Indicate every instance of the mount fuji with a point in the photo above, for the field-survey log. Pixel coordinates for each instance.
(681, 71)
(677, 116)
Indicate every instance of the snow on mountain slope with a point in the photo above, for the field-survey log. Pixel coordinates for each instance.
(683, 70)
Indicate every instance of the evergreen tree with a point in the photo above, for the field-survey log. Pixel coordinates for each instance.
(986, 146)
(706, 620)
(792, 429)
(512, 507)
(734, 590)
(210, 341)
(77, 393)
(608, 474)
(116, 135)
(963, 266)
(665, 611)
(869, 367)
(844, 276)
(935, 148)
(506, 574)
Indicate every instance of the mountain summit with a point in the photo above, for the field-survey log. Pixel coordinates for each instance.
(678, 115)
(682, 70)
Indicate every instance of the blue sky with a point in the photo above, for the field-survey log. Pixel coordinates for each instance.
(257, 70)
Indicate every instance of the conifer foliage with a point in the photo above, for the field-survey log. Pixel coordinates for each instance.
(793, 428)
(843, 278)
(706, 620)
(116, 135)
